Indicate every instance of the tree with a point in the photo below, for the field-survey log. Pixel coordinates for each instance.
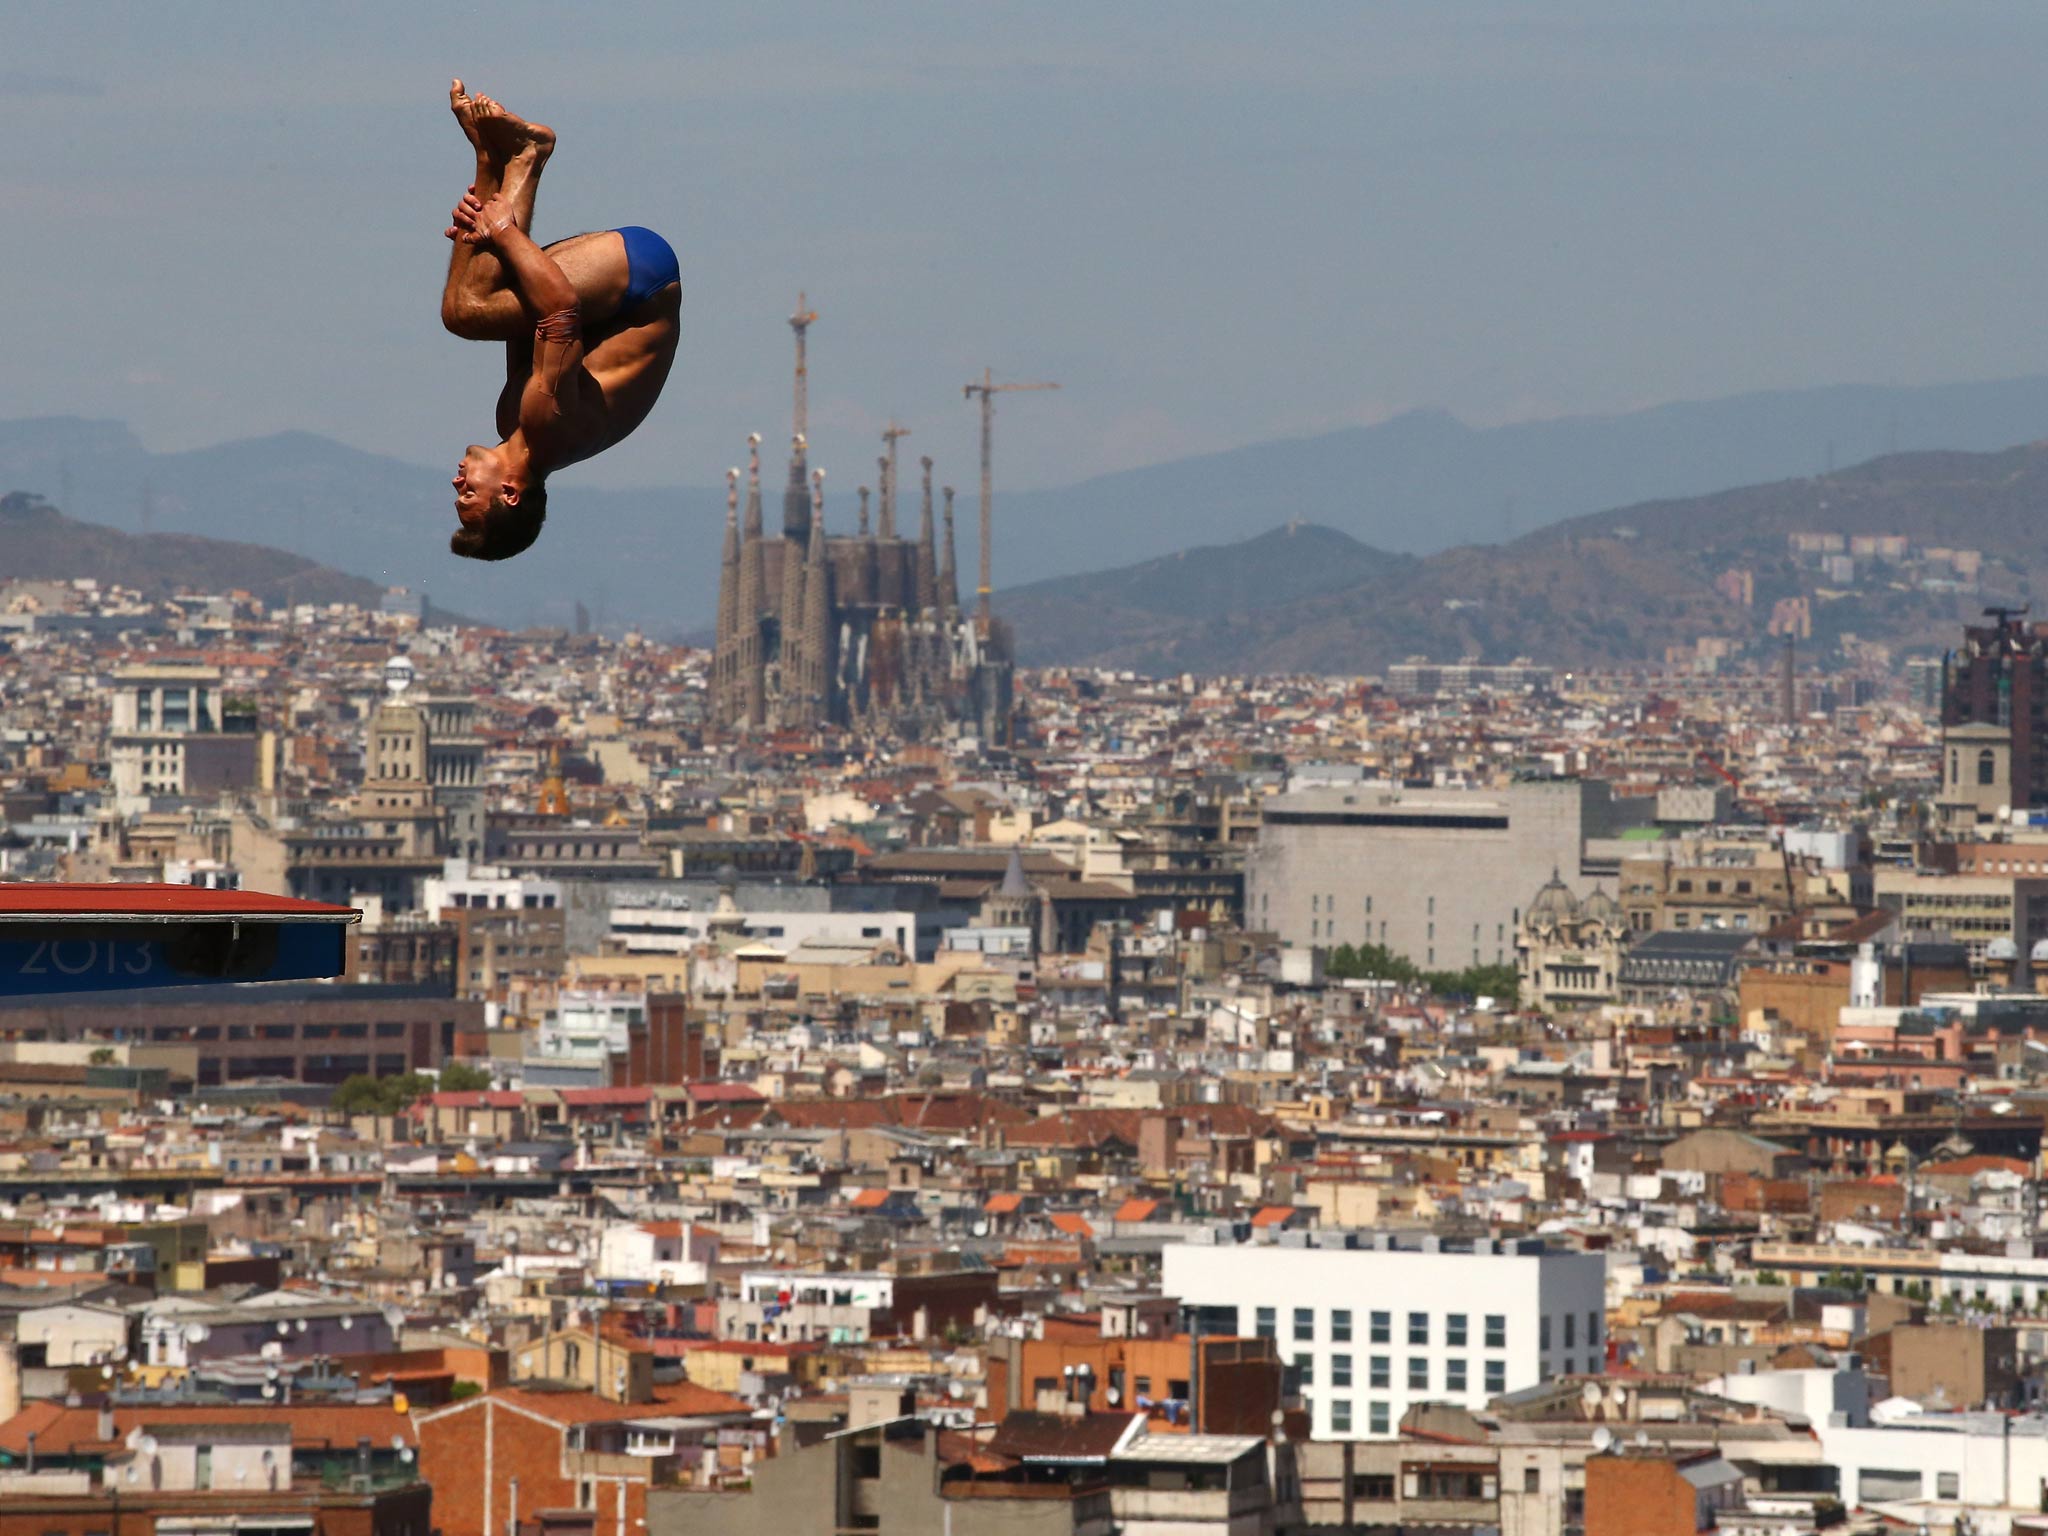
(458, 1077)
(362, 1094)
(102, 1056)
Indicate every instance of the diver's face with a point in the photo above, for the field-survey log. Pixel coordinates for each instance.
(477, 479)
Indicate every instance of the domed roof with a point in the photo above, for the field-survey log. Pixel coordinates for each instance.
(2001, 949)
(1600, 907)
(1555, 905)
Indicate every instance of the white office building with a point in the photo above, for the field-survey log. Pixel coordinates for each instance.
(1372, 1324)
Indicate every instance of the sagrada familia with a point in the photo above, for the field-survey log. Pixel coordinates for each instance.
(863, 631)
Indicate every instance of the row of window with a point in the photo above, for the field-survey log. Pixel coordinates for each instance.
(1380, 1373)
(1380, 1327)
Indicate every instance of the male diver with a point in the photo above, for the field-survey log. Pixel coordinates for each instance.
(589, 326)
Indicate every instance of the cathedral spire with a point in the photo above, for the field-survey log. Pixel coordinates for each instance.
(927, 550)
(949, 573)
(752, 604)
(863, 511)
(724, 657)
(885, 526)
(817, 676)
(796, 496)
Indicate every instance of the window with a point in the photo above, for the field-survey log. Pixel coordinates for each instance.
(1947, 1485)
(1883, 1485)
(1542, 1335)
(1987, 767)
(1340, 1326)
(1418, 1327)
(1376, 1418)
(1304, 1322)
(1454, 1375)
(1571, 1330)
(1264, 1326)
(1380, 1372)
(1340, 1370)
(1496, 1377)
(1373, 1487)
(1383, 1328)
(1532, 1480)
(1454, 1329)
(1305, 1370)
(1418, 1373)
(1496, 1331)
(1593, 1330)
(1340, 1415)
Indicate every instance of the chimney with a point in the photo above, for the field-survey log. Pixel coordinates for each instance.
(104, 1432)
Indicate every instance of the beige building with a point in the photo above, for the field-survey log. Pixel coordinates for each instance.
(1568, 951)
(157, 712)
(1994, 916)
(1437, 875)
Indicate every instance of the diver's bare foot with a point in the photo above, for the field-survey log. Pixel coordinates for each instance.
(463, 105)
(507, 137)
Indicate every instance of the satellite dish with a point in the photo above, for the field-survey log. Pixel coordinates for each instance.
(195, 1333)
(283, 1326)
(270, 1389)
(1603, 1440)
(302, 1325)
(146, 1445)
(1642, 1439)
(106, 1373)
(981, 1229)
(406, 1455)
(1114, 1396)
(347, 1323)
(398, 1442)
(1590, 1395)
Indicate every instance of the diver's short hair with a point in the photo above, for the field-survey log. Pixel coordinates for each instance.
(507, 528)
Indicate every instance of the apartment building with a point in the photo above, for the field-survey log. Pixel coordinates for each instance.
(1372, 1324)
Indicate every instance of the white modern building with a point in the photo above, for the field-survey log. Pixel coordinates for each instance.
(464, 884)
(656, 1253)
(1926, 1469)
(589, 1027)
(677, 930)
(1372, 1324)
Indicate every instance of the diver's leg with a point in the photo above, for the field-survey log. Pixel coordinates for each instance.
(476, 302)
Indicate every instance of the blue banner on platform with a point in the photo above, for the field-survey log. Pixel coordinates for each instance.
(64, 957)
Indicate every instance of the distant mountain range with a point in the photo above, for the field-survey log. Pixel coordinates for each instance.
(1612, 587)
(37, 542)
(1416, 485)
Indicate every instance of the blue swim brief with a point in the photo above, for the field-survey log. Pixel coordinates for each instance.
(650, 266)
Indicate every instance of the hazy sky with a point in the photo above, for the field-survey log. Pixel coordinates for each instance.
(1212, 223)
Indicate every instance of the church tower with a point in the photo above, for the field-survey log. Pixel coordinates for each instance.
(725, 700)
(752, 606)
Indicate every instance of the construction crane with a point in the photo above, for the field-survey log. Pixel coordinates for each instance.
(889, 435)
(988, 389)
(800, 322)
